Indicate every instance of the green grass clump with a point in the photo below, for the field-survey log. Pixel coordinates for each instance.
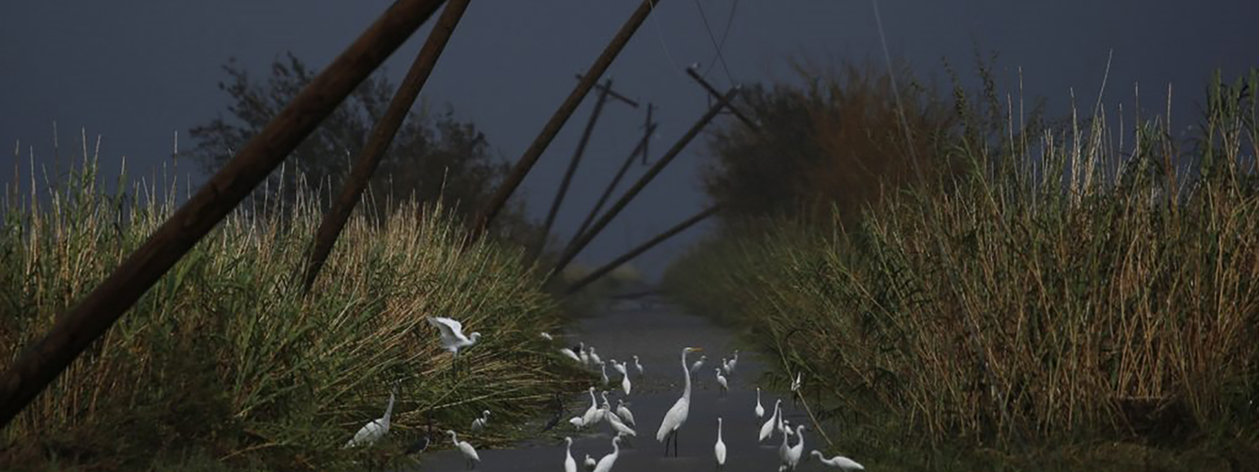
(225, 358)
(1065, 304)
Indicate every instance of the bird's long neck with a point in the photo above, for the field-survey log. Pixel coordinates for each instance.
(686, 373)
(389, 409)
(718, 430)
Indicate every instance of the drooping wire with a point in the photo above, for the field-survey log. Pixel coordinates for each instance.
(664, 46)
(717, 54)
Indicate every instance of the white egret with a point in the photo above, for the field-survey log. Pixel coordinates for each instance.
(784, 450)
(570, 354)
(590, 463)
(625, 413)
(626, 386)
(719, 449)
(374, 429)
(793, 454)
(795, 388)
(760, 410)
(605, 464)
(619, 366)
(638, 367)
(469, 453)
(838, 461)
(594, 358)
(618, 426)
(603, 371)
(605, 408)
(452, 334)
(577, 422)
(547, 336)
(721, 380)
(570, 464)
(767, 429)
(734, 361)
(588, 419)
(584, 353)
(725, 366)
(700, 363)
(480, 423)
(676, 417)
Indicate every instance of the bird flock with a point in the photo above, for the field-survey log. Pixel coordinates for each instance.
(620, 420)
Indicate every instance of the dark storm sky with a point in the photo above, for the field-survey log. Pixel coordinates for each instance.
(135, 72)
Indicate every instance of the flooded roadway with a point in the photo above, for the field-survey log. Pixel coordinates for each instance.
(656, 332)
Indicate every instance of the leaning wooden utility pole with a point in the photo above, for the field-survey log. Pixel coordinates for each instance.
(650, 127)
(693, 71)
(382, 135)
(41, 362)
(644, 247)
(535, 150)
(605, 91)
(580, 243)
(616, 179)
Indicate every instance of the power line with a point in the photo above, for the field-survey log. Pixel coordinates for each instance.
(655, 22)
(718, 46)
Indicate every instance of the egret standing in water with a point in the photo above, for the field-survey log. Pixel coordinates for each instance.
(603, 371)
(589, 418)
(676, 417)
(605, 464)
(594, 358)
(638, 367)
(793, 454)
(625, 413)
(469, 453)
(570, 464)
(759, 410)
(721, 380)
(838, 461)
(719, 449)
(377, 428)
(767, 429)
(700, 363)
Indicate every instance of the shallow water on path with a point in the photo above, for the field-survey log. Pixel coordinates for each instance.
(656, 332)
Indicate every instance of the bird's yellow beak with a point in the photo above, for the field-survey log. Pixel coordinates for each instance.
(697, 349)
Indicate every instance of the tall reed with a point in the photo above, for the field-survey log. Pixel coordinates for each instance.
(1067, 287)
(226, 355)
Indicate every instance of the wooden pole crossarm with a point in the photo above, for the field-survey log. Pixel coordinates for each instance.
(607, 192)
(644, 247)
(693, 71)
(382, 135)
(535, 150)
(606, 87)
(41, 362)
(583, 240)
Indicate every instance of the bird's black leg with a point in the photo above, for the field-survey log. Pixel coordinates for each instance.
(676, 433)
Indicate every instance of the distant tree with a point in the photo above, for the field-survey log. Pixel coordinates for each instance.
(433, 156)
(835, 141)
